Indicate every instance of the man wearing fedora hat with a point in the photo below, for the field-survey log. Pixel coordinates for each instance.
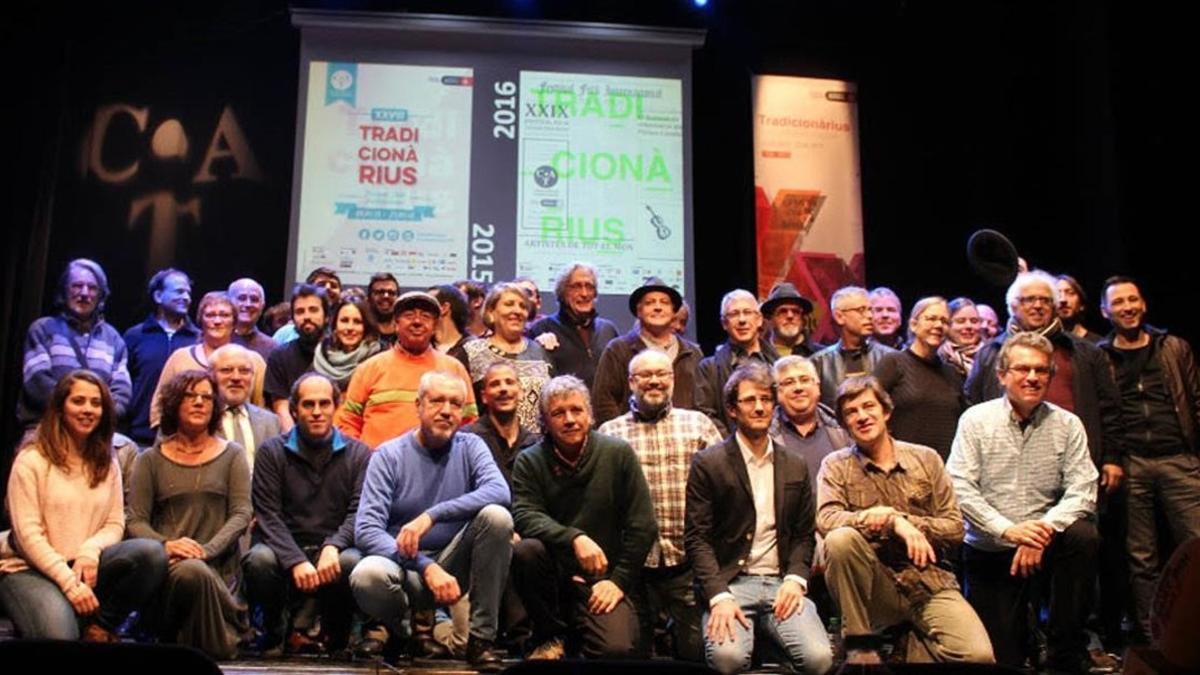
(654, 303)
(786, 313)
(381, 399)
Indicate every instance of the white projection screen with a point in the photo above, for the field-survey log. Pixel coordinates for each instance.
(443, 148)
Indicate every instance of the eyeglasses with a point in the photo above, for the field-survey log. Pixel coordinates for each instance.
(750, 401)
(218, 315)
(581, 286)
(861, 309)
(198, 397)
(1024, 371)
(646, 376)
(803, 381)
(230, 370)
(1030, 300)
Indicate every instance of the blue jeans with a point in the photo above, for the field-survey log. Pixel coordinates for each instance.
(801, 639)
(130, 572)
(478, 557)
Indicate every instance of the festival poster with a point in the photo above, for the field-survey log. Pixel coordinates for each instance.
(600, 163)
(386, 176)
(808, 199)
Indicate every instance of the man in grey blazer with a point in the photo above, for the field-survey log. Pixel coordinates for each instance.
(241, 421)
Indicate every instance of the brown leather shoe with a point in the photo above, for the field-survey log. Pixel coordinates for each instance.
(97, 633)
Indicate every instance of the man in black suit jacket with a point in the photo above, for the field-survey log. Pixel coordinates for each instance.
(750, 536)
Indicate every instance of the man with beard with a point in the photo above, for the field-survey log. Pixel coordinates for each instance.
(1072, 306)
(787, 313)
(654, 304)
(241, 421)
(498, 425)
(322, 277)
(248, 301)
(305, 492)
(887, 317)
(890, 520)
(802, 423)
(749, 535)
(1160, 412)
(665, 438)
(577, 336)
(380, 401)
(855, 352)
(1027, 489)
(150, 343)
(579, 501)
(310, 311)
(382, 292)
(434, 524)
(741, 319)
(77, 337)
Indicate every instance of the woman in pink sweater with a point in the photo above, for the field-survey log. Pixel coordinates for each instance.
(66, 565)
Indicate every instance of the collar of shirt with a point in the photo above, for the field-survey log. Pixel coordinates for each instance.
(337, 441)
(869, 464)
(861, 351)
(583, 453)
(748, 454)
(1035, 417)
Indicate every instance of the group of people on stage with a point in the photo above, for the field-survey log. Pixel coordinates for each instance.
(547, 484)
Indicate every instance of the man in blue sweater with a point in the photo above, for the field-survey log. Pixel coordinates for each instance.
(434, 524)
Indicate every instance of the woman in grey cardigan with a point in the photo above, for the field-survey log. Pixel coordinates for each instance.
(191, 491)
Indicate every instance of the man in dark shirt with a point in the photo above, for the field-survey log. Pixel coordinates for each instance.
(856, 352)
(583, 510)
(310, 311)
(150, 343)
(305, 493)
(742, 321)
(575, 336)
(802, 423)
(498, 425)
(787, 314)
(1160, 413)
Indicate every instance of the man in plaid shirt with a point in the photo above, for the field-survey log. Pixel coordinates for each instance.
(665, 439)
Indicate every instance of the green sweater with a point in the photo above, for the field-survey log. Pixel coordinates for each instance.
(605, 497)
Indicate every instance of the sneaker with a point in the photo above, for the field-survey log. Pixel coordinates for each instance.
(550, 650)
(1099, 662)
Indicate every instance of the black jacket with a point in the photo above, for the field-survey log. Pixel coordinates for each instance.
(1183, 381)
(572, 356)
(719, 526)
(610, 394)
(714, 371)
(1097, 401)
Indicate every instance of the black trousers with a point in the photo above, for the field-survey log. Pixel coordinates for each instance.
(557, 606)
(1004, 602)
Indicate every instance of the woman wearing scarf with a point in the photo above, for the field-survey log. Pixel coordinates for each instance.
(964, 336)
(352, 339)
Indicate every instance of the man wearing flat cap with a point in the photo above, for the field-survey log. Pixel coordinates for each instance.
(654, 303)
(381, 399)
(786, 313)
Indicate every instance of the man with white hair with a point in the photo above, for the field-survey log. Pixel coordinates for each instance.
(249, 299)
(887, 315)
(241, 421)
(433, 523)
(742, 321)
(855, 352)
(577, 335)
(665, 439)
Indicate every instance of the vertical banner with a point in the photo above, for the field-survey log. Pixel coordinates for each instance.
(386, 176)
(807, 189)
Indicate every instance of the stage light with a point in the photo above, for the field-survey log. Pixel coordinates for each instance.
(700, 3)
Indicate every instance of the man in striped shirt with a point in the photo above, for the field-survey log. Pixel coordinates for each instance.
(665, 439)
(1027, 487)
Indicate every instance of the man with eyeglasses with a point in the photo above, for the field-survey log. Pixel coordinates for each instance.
(750, 536)
(381, 399)
(382, 292)
(787, 313)
(802, 423)
(575, 336)
(742, 321)
(241, 421)
(249, 299)
(654, 303)
(891, 522)
(1027, 488)
(665, 438)
(855, 352)
(433, 524)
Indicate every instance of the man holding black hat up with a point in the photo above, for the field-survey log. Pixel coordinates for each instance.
(654, 303)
